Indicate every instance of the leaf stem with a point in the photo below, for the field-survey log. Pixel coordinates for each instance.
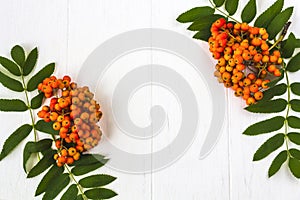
(221, 11)
(76, 182)
(287, 112)
(30, 111)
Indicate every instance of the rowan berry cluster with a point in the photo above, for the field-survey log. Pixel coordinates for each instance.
(246, 60)
(74, 113)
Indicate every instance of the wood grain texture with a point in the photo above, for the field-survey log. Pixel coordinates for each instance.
(68, 31)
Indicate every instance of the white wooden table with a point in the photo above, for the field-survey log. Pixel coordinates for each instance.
(66, 32)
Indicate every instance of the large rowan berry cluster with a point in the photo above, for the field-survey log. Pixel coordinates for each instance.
(246, 63)
(74, 113)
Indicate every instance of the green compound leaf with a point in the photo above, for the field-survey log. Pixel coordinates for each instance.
(288, 47)
(14, 139)
(34, 147)
(277, 163)
(269, 146)
(295, 105)
(71, 193)
(265, 126)
(294, 137)
(202, 35)
(18, 55)
(30, 62)
(84, 169)
(37, 101)
(195, 13)
(11, 66)
(46, 127)
(295, 87)
(218, 3)
(231, 6)
(278, 22)
(56, 186)
(270, 106)
(100, 193)
(277, 90)
(294, 122)
(293, 64)
(10, 105)
(96, 181)
(11, 83)
(295, 153)
(249, 11)
(40, 76)
(267, 16)
(51, 175)
(294, 165)
(42, 165)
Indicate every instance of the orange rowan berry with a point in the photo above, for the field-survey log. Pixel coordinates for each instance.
(246, 82)
(47, 117)
(62, 159)
(253, 88)
(63, 152)
(244, 26)
(240, 67)
(41, 114)
(58, 144)
(57, 107)
(250, 101)
(216, 55)
(238, 92)
(258, 95)
(254, 30)
(63, 135)
(72, 151)
(227, 50)
(264, 84)
(276, 53)
(66, 123)
(221, 61)
(55, 157)
(251, 76)
(265, 59)
(273, 58)
(277, 72)
(60, 118)
(271, 68)
(258, 82)
(237, 26)
(279, 61)
(257, 57)
(265, 36)
(246, 96)
(70, 160)
(227, 56)
(56, 126)
(53, 116)
(246, 55)
(262, 31)
(256, 41)
(225, 76)
(59, 164)
(76, 156)
(79, 148)
(68, 140)
(264, 46)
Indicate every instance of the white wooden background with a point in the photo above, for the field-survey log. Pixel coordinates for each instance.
(67, 32)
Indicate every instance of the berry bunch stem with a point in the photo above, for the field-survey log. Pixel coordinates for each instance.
(30, 112)
(76, 182)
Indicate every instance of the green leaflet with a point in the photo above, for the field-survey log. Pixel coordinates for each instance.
(87, 159)
(204, 23)
(294, 137)
(266, 17)
(269, 106)
(53, 172)
(34, 147)
(30, 62)
(84, 169)
(40, 76)
(14, 139)
(46, 127)
(100, 193)
(9, 105)
(294, 166)
(269, 146)
(249, 11)
(37, 101)
(295, 87)
(231, 6)
(277, 90)
(277, 163)
(10, 66)
(265, 126)
(278, 22)
(79, 197)
(42, 165)
(96, 180)
(218, 3)
(56, 186)
(11, 83)
(18, 55)
(288, 47)
(294, 122)
(293, 64)
(71, 193)
(202, 35)
(295, 105)
(195, 13)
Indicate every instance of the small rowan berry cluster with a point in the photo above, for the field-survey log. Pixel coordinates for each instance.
(74, 113)
(246, 63)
